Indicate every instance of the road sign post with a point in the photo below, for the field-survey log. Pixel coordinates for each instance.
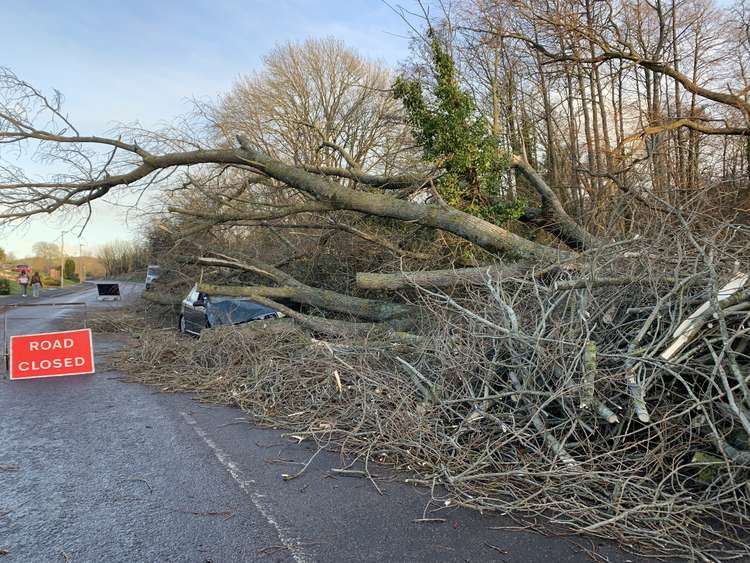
(51, 354)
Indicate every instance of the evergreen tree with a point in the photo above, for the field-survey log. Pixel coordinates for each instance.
(69, 269)
(457, 139)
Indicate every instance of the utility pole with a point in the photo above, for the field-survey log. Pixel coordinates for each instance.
(62, 259)
(81, 264)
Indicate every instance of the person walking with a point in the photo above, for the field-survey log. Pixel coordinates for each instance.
(23, 281)
(36, 284)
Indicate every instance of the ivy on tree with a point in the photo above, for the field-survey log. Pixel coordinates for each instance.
(455, 137)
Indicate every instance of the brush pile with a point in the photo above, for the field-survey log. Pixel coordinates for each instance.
(610, 397)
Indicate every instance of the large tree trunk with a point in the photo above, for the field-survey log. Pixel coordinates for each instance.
(430, 278)
(396, 314)
(390, 332)
(370, 309)
(469, 227)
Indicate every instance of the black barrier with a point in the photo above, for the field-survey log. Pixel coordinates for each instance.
(108, 289)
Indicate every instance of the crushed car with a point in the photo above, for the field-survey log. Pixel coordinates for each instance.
(200, 311)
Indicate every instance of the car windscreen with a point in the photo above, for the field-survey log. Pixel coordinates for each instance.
(231, 311)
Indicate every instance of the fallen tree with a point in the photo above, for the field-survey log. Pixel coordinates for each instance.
(133, 163)
(539, 382)
(298, 292)
(308, 189)
(518, 396)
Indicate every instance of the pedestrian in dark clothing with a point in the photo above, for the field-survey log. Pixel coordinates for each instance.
(36, 284)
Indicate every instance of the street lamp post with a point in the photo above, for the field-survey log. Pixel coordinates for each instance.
(62, 259)
(81, 264)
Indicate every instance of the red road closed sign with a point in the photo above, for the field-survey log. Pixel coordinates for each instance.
(51, 354)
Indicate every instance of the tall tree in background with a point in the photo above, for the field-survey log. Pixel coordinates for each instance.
(317, 103)
(48, 253)
(616, 102)
(121, 257)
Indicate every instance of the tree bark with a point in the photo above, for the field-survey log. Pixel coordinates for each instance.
(469, 227)
(553, 216)
(430, 278)
(370, 309)
(341, 329)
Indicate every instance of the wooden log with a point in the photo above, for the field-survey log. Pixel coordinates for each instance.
(731, 294)
(604, 282)
(430, 278)
(370, 309)
(342, 329)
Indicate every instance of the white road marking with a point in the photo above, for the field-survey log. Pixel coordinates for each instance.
(285, 535)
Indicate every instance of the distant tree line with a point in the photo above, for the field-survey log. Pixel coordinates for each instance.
(122, 257)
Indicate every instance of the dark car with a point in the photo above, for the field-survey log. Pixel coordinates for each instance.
(200, 311)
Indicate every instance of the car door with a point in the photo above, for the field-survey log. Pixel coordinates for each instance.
(193, 315)
(198, 311)
(199, 307)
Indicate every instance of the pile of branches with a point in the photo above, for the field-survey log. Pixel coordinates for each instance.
(612, 399)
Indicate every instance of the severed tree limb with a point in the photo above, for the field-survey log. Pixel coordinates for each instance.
(635, 390)
(471, 276)
(431, 278)
(729, 295)
(325, 299)
(341, 329)
(254, 266)
(552, 216)
(605, 412)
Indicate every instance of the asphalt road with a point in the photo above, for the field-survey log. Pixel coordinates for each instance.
(110, 471)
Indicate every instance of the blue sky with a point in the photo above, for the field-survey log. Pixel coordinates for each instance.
(122, 62)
